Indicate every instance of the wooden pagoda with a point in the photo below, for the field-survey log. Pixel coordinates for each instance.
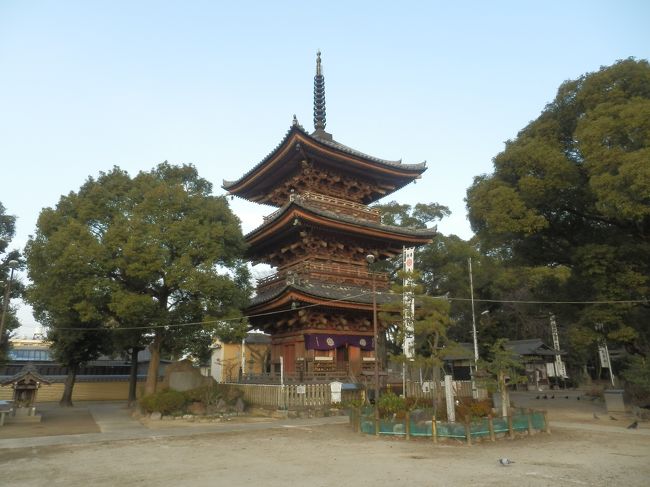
(318, 307)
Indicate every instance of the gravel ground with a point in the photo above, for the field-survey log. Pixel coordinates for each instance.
(580, 451)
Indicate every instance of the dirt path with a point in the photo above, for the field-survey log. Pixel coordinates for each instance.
(581, 450)
(334, 455)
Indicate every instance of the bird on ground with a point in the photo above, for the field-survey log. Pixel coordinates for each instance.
(545, 396)
(553, 396)
(596, 416)
(566, 397)
(578, 398)
(613, 418)
(505, 461)
(537, 397)
(633, 426)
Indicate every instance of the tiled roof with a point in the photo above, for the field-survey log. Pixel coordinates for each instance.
(297, 128)
(412, 232)
(533, 346)
(329, 291)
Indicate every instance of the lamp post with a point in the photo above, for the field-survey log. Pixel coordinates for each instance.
(5, 301)
(371, 259)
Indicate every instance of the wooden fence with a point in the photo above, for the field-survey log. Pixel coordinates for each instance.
(287, 396)
(319, 395)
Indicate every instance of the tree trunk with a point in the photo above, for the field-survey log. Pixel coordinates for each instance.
(586, 375)
(133, 377)
(154, 363)
(66, 399)
(505, 398)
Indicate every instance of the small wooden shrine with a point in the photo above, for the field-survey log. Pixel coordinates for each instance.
(26, 384)
(317, 307)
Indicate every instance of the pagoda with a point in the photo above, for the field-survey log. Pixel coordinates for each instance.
(318, 305)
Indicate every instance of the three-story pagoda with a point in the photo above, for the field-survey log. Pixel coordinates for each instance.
(318, 306)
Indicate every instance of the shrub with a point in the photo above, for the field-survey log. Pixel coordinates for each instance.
(164, 402)
(473, 408)
(637, 377)
(207, 395)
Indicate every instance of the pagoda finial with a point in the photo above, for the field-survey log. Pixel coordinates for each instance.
(319, 96)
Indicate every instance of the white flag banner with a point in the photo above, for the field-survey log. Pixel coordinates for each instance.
(602, 353)
(409, 305)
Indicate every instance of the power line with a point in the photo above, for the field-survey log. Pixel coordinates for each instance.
(629, 301)
(347, 298)
(209, 322)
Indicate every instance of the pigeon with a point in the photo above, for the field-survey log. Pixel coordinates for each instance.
(596, 416)
(553, 396)
(633, 426)
(537, 397)
(613, 418)
(505, 461)
(545, 396)
(566, 397)
(578, 398)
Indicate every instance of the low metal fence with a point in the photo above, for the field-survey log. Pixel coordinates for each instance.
(422, 423)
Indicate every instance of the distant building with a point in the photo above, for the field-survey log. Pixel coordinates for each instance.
(537, 357)
(227, 364)
(37, 352)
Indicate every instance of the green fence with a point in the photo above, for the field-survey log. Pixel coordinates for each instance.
(420, 423)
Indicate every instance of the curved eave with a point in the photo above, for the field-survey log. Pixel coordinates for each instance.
(283, 302)
(325, 295)
(286, 217)
(284, 156)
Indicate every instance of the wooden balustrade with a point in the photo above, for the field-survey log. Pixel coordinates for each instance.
(336, 205)
(339, 273)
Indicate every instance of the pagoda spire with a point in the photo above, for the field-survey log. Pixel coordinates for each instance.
(319, 96)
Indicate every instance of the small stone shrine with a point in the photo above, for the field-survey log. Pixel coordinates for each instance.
(25, 385)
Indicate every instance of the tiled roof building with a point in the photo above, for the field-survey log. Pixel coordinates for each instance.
(317, 307)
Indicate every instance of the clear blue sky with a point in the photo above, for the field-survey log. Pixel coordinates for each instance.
(88, 85)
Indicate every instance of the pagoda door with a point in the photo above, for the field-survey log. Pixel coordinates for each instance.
(354, 359)
(342, 358)
(289, 359)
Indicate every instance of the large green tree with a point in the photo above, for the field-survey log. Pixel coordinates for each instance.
(168, 257)
(570, 200)
(8, 259)
(65, 293)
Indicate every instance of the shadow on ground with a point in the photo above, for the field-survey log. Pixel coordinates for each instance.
(55, 421)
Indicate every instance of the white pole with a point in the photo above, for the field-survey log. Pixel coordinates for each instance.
(243, 356)
(449, 397)
(471, 291)
(609, 366)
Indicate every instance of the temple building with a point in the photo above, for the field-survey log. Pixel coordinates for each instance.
(318, 305)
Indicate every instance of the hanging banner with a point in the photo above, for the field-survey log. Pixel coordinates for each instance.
(602, 353)
(409, 305)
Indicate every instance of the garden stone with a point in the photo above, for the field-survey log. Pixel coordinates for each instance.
(221, 406)
(155, 416)
(240, 406)
(196, 408)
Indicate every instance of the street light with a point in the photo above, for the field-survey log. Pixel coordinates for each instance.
(5, 301)
(371, 259)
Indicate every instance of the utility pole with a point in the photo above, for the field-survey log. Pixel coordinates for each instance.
(471, 291)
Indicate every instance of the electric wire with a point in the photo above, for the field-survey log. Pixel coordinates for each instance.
(346, 298)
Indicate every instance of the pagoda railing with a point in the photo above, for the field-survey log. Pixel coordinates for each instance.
(336, 205)
(322, 272)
